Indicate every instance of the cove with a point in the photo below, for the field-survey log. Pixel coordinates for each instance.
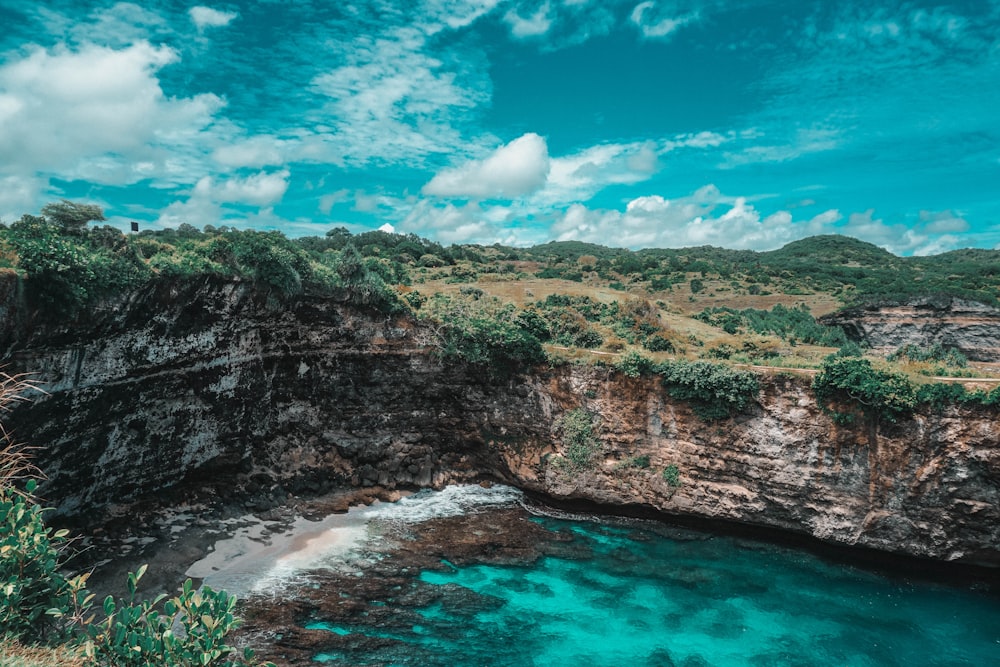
(609, 592)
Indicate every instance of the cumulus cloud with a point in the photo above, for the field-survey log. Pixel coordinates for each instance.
(99, 114)
(206, 17)
(205, 205)
(704, 217)
(578, 176)
(938, 222)
(260, 189)
(515, 169)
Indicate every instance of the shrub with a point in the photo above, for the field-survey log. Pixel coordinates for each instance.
(879, 395)
(581, 444)
(657, 343)
(481, 331)
(714, 391)
(31, 582)
(639, 462)
(634, 364)
(939, 394)
(136, 634)
(672, 476)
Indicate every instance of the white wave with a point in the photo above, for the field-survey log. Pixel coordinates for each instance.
(454, 500)
(253, 561)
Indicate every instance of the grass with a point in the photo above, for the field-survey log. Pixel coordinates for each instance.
(13, 654)
(675, 311)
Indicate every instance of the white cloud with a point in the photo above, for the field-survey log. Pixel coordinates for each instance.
(802, 142)
(387, 228)
(579, 176)
(120, 25)
(205, 204)
(469, 223)
(257, 151)
(393, 101)
(513, 170)
(937, 222)
(17, 195)
(262, 189)
(99, 114)
(327, 201)
(653, 24)
(453, 14)
(654, 221)
(534, 25)
(206, 17)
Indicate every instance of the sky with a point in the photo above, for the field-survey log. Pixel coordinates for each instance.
(656, 123)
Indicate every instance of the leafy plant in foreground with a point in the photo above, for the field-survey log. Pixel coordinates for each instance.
(40, 604)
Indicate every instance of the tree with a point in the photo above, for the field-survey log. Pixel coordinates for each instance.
(72, 216)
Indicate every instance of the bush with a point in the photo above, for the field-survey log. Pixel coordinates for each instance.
(714, 391)
(31, 582)
(482, 331)
(638, 462)
(657, 343)
(581, 444)
(634, 364)
(136, 634)
(672, 476)
(879, 395)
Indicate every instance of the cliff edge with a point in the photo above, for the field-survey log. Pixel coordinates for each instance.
(215, 383)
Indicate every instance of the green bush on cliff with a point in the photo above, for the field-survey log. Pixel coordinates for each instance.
(715, 391)
(580, 442)
(672, 476)
(480, 331)
(878, 394)
(634, 364)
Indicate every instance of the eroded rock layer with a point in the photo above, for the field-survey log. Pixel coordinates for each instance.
(971, 328)
(216, 384)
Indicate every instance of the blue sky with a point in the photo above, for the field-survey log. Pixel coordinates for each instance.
(670, 123)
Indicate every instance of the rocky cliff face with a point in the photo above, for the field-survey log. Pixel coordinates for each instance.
(214, 383)
(972, 328)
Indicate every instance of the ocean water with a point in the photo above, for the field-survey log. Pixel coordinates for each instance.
(637, 594)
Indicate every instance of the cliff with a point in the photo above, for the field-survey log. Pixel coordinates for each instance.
(972, 328)
(215, 384)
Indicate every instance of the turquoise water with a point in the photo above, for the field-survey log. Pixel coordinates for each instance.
(631, 594)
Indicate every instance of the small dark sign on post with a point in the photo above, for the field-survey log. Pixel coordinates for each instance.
(135, 226)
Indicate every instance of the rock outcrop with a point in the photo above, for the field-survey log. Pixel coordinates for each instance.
(214, 383)
(971, 328)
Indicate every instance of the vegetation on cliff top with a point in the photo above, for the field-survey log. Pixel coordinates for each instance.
(498, 305)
